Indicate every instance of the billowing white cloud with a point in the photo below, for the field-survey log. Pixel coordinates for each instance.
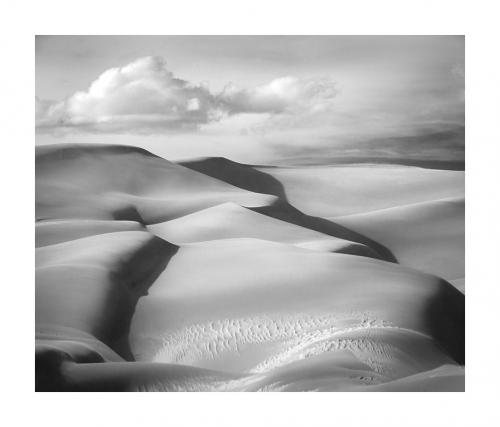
(283, 95)
(143, 93)
(145, 96)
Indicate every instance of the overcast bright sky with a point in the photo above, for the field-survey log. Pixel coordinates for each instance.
(255, 99)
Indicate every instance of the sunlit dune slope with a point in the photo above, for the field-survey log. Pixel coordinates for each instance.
(252, 305)
(75, 181)
(230, 220)
(258, 179)
(340, 371)
(52, 232)
(330, 191)
(428, 235)
(220, 276)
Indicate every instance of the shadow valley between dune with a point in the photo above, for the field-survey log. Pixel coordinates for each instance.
(205, 276)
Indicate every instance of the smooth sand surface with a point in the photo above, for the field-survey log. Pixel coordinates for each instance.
(273, 301)
(218, 276)
(428, 235)
(52, 232)
(124, 183)
(331, 191)
(231, 220)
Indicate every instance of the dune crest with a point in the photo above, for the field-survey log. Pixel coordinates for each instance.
(429, 236)
(213, 275)
(126, 183)
(230, 220)
(266, 277)
(86, 293)
(341, 190)
(259, 179)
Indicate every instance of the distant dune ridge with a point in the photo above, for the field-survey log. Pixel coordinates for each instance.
(427, 235)
(126, 183)
(211, 275)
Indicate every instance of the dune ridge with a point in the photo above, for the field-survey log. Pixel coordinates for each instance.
(342, 190)
(429, 235)
(259, 179)
(212, 275)
(127, 183)
(52, 232)
(231, 220)
(86, 293)
(270, 275)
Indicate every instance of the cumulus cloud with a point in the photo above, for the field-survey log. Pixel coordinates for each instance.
(145, 96)
(143, 93)
(283, 95)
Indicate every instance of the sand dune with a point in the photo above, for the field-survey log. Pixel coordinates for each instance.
(339, 372)
(343, 190)
(86, 292)
(230, 220)
(241, 175)
(218, 276)
(124, 183)
(350, 189)
(273, 299)
(52, 232)
(259, 180)
(428, 235)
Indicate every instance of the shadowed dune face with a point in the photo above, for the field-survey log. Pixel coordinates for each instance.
(446, 313)
(152, 276)
(238, 174)
(260, 180)
(89, 287)
(286, 212)
(230, 220)
(107, 182)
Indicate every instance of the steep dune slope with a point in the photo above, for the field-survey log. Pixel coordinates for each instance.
(260, 180)
(273, 304)
(52, 232)
(75, 181)
(86, 293)
(428, 236)
(258, 296)
(230, 220)
(241, 175)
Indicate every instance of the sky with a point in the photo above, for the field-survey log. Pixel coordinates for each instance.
(255, 99)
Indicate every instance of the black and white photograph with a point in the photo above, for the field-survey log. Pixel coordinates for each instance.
(250, 213)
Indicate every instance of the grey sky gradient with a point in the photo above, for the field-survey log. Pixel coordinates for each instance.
(258, 98)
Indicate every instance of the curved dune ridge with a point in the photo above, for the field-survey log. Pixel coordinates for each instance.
(124, 183)
(231, 220)
(258, 179)
(429, 235)
(204, 276)
(341, 190)
(52, 232)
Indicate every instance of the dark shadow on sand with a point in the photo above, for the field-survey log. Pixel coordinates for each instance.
(249, 178)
